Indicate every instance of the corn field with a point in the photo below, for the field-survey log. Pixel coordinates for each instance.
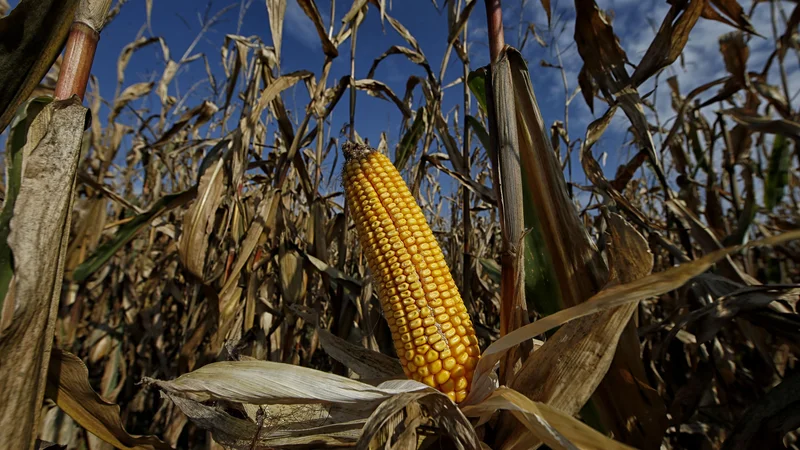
(194, 268)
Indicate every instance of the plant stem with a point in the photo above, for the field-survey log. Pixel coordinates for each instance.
(78, 58)
(494, 21)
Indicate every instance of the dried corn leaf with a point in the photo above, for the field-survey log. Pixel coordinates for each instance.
(412, 55)
(202, 112)
(292, 429)
(438, 409)
(16, 150)
(38, 241)
(376, 88)
(766, 423)
(266, 208)
(200, 217)
(735, 53)
(128, 231)
(670, 40)
(266, 383)
(461, 22)
(764, 124)
(292, 275)
(549, 425)
(132, 92)
(649, 286)
(127, 52)
(584, 349)
(311, 10)
(68, 386)
(366, 363)
(276, 10)
(336, 275)
(733, 10)
(166, 78)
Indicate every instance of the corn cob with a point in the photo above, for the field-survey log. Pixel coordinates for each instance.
(430, 326)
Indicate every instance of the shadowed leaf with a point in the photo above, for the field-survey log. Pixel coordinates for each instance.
(68, 386)
(32, 36)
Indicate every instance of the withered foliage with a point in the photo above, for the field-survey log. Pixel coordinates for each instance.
(224, 237)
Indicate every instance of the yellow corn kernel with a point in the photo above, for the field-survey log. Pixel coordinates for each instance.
(417, 292)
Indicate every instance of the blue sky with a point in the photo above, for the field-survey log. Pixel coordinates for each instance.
(177, 22)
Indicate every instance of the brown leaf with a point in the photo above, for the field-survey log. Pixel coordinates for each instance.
(198, 221)
(130, 93)
(585, 348)
(376, 88)
(163, 84)
(68, 386)
(595, 173)
(547, 424)
(732, 10)
(764, 124)
(292, 275)
(588, 87)
(412, 55)
(366, 363)
(276, 10)
(649, 286)
(546, 6)
(598, 45)
(458, 26)
(283, 426)
(438, 409)
(38, 240)
(735, 53)
(670, 40)
(203, 112)
(605, 60)
(310, 8)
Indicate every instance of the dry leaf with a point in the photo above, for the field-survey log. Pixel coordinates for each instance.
(38, 240)
(68, 386)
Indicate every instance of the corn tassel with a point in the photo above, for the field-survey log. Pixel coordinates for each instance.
(430, 326)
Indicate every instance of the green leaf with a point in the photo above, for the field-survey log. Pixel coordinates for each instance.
(480, 131)
(476, 80)
(17, 140)
(408, 144)
(31, 38)
(128, 231)
(492, 269)
(697, 147)
(777, 172)
(541, 285)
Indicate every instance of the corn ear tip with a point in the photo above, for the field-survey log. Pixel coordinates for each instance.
(354, 150)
